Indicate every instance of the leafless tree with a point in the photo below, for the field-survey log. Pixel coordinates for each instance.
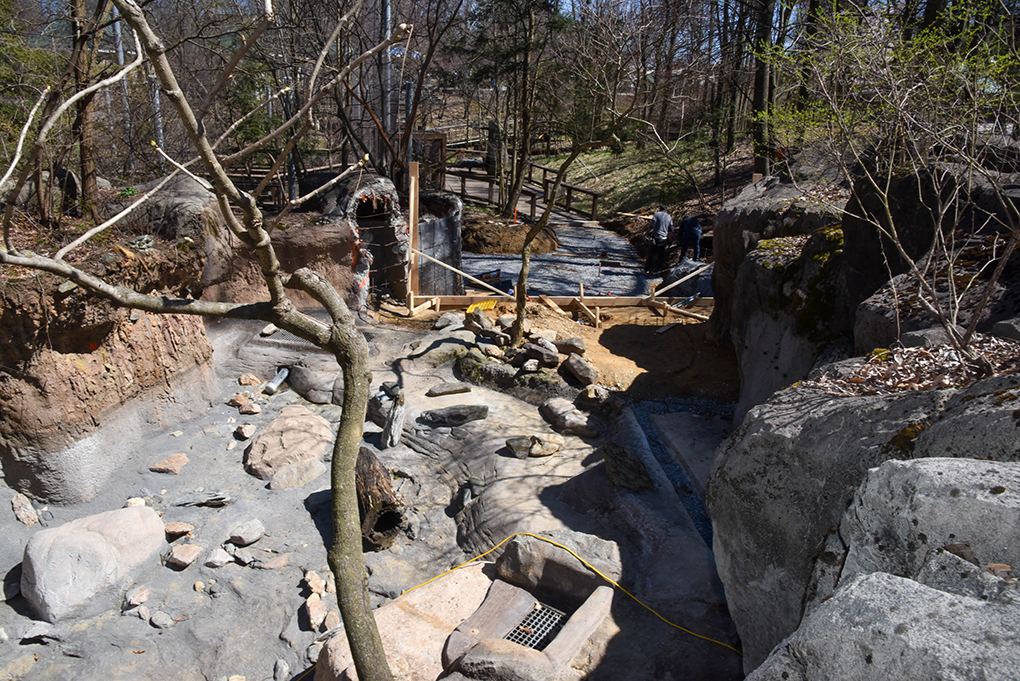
(340, 336)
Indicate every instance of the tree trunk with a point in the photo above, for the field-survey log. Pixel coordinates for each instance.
(381, 517)
(759, 105)
(346, 559)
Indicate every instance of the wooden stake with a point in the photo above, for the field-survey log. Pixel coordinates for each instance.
(412, 218)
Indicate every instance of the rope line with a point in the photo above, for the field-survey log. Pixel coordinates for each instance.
(590, 567)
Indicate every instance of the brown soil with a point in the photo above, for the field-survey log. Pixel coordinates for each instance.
(484, 232)
(631, 356)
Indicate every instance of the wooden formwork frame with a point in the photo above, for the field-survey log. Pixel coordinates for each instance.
(559, 304)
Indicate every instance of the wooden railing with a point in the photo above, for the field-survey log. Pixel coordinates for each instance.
(567, 191)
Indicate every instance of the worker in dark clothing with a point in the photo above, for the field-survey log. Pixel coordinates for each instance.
(658, 233)
(690, 237)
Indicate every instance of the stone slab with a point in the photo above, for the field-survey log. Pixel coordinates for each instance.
(414, 627)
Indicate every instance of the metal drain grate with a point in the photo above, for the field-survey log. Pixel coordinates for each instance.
(539, 628)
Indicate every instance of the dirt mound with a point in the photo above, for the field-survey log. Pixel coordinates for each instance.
(483, 232)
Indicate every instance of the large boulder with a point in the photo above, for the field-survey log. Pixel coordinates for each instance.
(185, 213)
(764, 210)
(905, 510)
(788, 309)
(295, 437)
(881, 626)
(781, 482)
(75, 567)
(906, 603)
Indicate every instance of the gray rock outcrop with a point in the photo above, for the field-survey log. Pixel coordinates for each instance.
(70, 569)
(904, 604)
(790, 306)
(764, 210)
(781, 482)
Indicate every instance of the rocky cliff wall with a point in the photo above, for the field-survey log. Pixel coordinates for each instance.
(781, 485)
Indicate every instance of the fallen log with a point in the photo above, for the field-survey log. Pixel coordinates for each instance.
(381, 513)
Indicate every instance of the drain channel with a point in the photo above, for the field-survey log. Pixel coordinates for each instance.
(538, 628)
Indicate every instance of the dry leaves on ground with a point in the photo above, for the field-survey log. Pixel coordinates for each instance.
(924, 368)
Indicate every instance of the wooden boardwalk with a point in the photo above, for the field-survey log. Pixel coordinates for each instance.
(480, 189)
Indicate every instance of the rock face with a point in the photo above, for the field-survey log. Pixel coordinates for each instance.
(764, 210)
(882, 627)
(789, 308)
(780, 486)
(80, 364)
(780, 483)
(939, 617)
(71, 566)
(296, 435)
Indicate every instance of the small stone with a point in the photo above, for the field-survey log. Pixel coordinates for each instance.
(199, 586)
(281, 671)
(177, 433)
(530, 366)
(249, 408)
(544, 343)
(448, 319)
(134, 501)
(24, 511)
(218, 558)
(280, 561)
(316, 584)
(171, 464)
(161, 620)
(237, 677)
(316, 611)
(142, 612)
(178, 529)
(247, 533)
(548, 334)
(332, 620)
(330, 583)
(545, 445)
(448, 389)
(183, 555)
(245, 556)
(456, 415)
(570, 346)
(494, 351)
(269, 330)
(231, 445)
(245, 430)
(312, 653)
(519, 446)
(249, 380)
(138, 597)
(581, 370)
(238, 399)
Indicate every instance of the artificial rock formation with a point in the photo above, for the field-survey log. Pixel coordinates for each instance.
(781, 484)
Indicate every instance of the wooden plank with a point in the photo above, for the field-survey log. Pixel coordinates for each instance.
(465, 275)
(412, 219)
(588, 313)
(678, 310)
(667, 327)
(552, 305)
(680, 281)
(431, 302)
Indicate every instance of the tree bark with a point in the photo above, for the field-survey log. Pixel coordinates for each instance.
(380, 512)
